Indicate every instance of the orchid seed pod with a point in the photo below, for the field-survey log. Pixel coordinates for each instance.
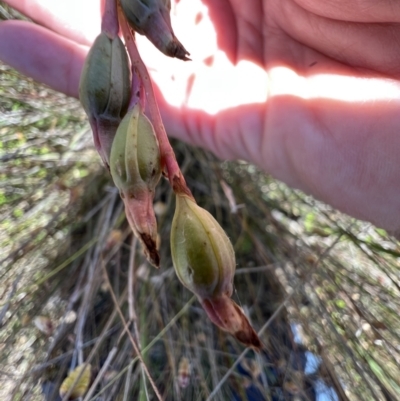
(204, 262)
(136, 169)
(152, 19)
(104, 90)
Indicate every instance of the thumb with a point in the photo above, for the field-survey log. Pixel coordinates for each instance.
(43, 55)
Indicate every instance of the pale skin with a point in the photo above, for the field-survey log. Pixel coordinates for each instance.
(330, 124)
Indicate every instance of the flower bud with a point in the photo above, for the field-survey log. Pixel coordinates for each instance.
(152, 19)
(204, 262)
(136, 169)
(104, 90)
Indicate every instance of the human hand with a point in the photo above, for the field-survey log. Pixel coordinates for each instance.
(309, 90)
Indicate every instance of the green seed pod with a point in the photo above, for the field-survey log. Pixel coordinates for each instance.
(204, 261)
(152, 19)
(203, 256)
(135, 155)
(136, 169)
(104, 90)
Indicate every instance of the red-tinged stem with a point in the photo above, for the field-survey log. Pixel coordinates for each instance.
(109, 21)
(168, 159)
(136, 92)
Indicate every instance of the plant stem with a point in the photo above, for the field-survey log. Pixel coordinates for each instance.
(136, 92)
(168, 159)
(109, 20)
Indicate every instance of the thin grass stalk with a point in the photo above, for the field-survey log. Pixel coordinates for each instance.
(100, 375)
(148, 347)
(135, 346)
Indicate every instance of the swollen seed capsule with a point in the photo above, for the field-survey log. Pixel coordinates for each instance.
(203, 256)
(204, 261)
(136, 169)
(135, 155)
(104, 90)
(152, 19)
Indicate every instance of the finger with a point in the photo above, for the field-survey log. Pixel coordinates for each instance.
(239, 28)
(367, 46)
(42, 55)
(356, 11)
(75, 19)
